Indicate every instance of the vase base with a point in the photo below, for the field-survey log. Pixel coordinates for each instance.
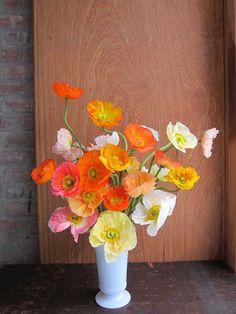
(112, 301)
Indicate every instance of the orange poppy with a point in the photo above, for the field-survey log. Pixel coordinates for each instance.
(104, 113)
(116, 199)
(43, 173)
(166, 161)
(140, 137)
(93, 174)
(67, 91)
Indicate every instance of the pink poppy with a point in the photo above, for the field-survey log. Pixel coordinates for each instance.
(207, 141)
(65, 180)
(63, 218)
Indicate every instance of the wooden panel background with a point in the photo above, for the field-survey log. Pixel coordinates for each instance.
(230, 136)
(162, 61)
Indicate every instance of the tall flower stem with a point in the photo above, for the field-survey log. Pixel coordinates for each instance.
(151, 163)
(121, 135)
(164, 148)
(70, 128)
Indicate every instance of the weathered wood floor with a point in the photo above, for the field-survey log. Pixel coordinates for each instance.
(199, 287)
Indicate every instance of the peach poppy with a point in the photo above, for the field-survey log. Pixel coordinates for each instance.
(140, 137)
(104, 114)
(139, 183)
(67, 91)
(66, 180)
(43, 173)
(115, 158)
(84, 203)
(63, 218)
(94, 174)
(116, 199)
(165, 161)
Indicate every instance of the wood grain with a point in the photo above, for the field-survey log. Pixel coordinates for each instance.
(162, 61)
(230, 136)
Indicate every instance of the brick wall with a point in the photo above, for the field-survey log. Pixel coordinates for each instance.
(18, 226)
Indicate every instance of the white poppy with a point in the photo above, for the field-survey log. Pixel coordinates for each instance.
(103, 140)
(64, 145)
(161, 175)
(154, 210)
(180, 136)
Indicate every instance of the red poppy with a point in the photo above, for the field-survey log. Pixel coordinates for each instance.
(116, 199)
(165, 161)
(67, 91)
(43, 173)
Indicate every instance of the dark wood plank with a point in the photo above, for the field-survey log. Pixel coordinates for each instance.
(230, 135)
(194, 287)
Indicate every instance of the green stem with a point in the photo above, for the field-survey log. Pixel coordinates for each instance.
(168, 190)
(121, 177)
(146, 159)
(166, 147)
(151, 163)
(70, 128)
(158, 171)
(134, 203)
(132, 152)
(121, 135)
(116, 178)
(113, 180)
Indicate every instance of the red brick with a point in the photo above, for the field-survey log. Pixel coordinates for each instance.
(19, 175)
(18, 72)
(20, 140)
(16, 156)
(15, 191)
(15, 21)
(27, 121)
(16, 5)
(11, 54)
(5, 122)
(24, 106)
(12, 89)
(20, 208)
(17, 38)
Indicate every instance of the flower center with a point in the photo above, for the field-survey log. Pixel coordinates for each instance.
(103, 116)
(180, 139)
(88, 197)
(68, 182)
(93, 173)
(112, 234)
(153, 212)
(115, 200)
(182, 179)
(74, 219)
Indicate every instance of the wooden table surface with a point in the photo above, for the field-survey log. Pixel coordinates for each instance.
(193, 287)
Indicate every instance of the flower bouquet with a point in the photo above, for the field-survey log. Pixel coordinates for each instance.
(107, 190)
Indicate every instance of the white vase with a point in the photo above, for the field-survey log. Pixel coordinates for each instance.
(112, 278)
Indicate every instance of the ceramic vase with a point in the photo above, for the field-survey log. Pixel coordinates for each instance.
(112, 278)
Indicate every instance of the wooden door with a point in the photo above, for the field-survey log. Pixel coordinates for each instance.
(161, 61)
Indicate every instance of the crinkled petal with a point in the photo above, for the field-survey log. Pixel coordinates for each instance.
(58, 221)
(75, 232)
(139, 214)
